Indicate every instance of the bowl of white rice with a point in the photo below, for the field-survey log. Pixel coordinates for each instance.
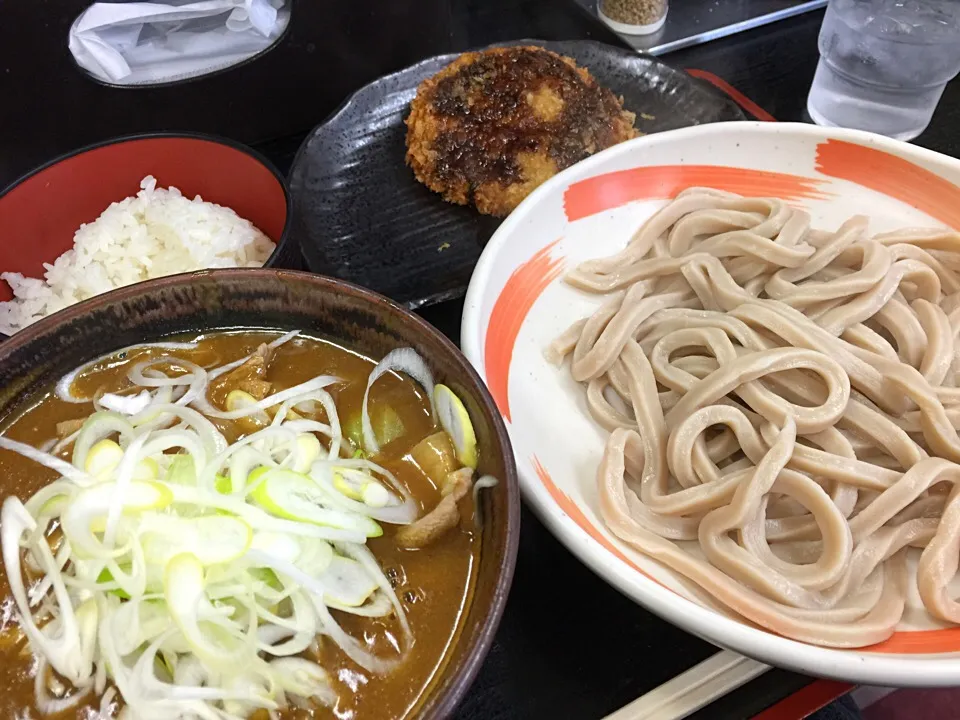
(133, 209)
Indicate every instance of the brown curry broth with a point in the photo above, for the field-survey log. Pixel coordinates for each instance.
(434, 584)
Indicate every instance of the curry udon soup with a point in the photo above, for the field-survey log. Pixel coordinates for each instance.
(243, 525)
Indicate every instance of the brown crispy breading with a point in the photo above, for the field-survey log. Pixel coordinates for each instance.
(493, 125)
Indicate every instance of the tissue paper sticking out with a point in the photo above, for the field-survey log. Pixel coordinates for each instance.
(147, 43)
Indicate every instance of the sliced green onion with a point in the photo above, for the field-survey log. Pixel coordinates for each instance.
(295, 496)
(317, 383)
(92, 505)
(455, 419)
(126, 404)
(213, 539)
(346, 582)
(404, 360)
(64, 389)
(65, 469)
(304, 679)
(347, 492)
(183, 590)
(189, 581)
(63, 650)
(487, 481)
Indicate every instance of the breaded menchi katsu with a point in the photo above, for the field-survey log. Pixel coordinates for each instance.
(493, 125)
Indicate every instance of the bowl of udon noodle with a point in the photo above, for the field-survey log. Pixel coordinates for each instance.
(247, 494)
(746, 335)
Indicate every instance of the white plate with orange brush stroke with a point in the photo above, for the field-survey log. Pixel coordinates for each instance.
(517, 303)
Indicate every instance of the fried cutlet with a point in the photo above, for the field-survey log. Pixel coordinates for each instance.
(493, 125)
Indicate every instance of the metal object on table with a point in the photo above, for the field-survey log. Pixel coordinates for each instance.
(633, 17)
(692, 22)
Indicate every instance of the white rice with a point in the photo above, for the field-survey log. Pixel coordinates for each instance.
(158, 232)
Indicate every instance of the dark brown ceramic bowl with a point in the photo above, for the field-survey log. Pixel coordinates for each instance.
(33, 359)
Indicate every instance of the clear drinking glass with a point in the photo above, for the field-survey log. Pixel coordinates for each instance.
(884, 64)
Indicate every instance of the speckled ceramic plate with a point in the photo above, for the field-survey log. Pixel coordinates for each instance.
(518, 303)
(360, 215)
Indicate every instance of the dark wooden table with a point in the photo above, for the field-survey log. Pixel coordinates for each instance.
(569, 646)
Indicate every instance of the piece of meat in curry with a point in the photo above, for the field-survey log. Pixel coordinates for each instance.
(251, 376)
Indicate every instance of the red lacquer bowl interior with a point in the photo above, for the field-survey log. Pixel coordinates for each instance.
(40, 214)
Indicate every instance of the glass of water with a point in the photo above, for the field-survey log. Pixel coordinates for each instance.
(884, 64)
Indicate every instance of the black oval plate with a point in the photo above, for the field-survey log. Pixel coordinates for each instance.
(360, 214)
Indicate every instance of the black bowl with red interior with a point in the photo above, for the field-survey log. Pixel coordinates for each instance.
(41, 212)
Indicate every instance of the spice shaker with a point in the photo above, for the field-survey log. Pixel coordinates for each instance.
(634, 17)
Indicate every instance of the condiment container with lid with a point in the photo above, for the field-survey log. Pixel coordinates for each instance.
(634, 17)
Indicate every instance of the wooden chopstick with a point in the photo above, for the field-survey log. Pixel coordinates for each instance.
(688, 692)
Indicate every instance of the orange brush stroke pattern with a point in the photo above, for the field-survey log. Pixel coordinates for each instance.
(576, 514)
(915, 642)
(615, 189)
(920, 642)
(893, 176)
(509, 311)
(738, 97)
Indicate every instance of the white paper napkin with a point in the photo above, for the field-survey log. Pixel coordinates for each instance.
(141, 43)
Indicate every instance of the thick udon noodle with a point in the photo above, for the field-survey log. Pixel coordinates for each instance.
(787, 399)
